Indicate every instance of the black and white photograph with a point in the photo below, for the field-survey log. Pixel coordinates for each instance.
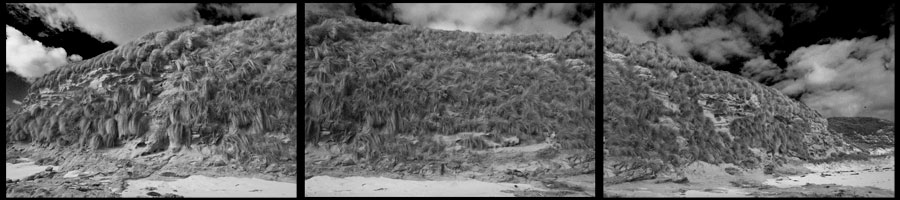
(151, 100)
(748, 100)
(449, 100)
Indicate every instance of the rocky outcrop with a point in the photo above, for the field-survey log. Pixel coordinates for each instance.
(627, 170)
(644, 73)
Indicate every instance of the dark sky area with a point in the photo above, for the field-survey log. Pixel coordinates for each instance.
(836, 58)
(43, 37)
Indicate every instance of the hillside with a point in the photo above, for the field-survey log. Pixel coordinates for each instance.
(671, 111)
(224, 93)
(390, 79)
(412, 101)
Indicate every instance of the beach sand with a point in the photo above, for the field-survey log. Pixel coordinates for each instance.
(325, 186)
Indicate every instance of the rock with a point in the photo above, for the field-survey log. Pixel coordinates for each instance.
(153, 194)
(346, 159)
(83, 189)
(715, 190)
(732, 171)
(453, 165)
(170, 195)
(632, 170)
(173, 174)
(49, 169)
(218, 163)
(150, 188)
(397, 168)
(676, 179)
(769, 169)
(271, 168)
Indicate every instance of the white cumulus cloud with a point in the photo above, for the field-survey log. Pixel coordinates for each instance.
(31, 59)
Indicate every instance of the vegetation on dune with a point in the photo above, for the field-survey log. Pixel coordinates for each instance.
(367, 82)
(232, 84)
(860, 125)
(632, 113)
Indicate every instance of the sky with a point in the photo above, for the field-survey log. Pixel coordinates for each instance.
(43, 37)
(556, 19)
(836, 58)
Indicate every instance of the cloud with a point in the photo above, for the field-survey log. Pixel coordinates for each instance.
(121, 23)
(805, 12)
(340, 8)
(713, 44)
(688, 14)
(844, 78)
(761, 70)
(75, 57)
(714, 32)
(271, 9)
(124, 22)
(761, 23)
(551, 18)
(622, 21)
(29, 58)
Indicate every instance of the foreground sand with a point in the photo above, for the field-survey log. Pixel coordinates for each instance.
(203, 186)
(870, 178)
(24, 169)
(97, 174)
(509, 171)
(325, 186)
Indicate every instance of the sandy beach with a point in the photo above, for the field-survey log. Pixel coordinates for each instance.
(24, 169)
(203, 186)
(326, 186)
(192, 186)
(877, 173)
